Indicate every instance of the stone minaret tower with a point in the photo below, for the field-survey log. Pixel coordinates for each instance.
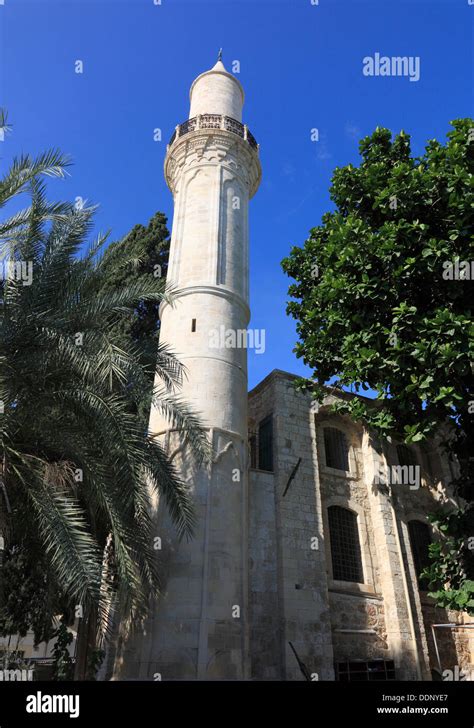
(199, 628)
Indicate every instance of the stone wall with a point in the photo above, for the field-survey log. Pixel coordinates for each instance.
(358, 628)
(303, 607)
(293, 595)
(455, 646)
(264, 609)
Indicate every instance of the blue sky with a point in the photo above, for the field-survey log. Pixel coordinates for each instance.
(301, 67)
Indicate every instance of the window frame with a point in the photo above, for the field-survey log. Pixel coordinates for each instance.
(358, 552)
(415, 551)
(327, 429)
(268, 420)
(405, 450)
(352, 441)
(256, 446)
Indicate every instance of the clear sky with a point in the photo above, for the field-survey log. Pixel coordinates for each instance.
(301, 66)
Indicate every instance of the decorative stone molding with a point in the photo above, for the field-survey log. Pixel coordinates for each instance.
(221, 292)
(213, 146)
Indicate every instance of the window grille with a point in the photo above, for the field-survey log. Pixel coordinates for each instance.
(345, 545)
(360, 670)
(406, 456)
(335, 446)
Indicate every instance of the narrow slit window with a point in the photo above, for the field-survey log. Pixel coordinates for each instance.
(193, 326)
(265, 444)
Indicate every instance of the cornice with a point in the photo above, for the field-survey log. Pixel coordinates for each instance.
(211, 146)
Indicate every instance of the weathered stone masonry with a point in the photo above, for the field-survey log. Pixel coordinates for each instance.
(293, 596)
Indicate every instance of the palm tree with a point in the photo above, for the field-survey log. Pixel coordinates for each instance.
(77, 471)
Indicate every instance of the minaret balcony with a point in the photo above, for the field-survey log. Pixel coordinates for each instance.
(214, 121)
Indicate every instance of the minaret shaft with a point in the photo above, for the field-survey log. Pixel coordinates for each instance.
(199, 628)
(209, 269)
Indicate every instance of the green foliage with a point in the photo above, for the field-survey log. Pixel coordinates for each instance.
(63, 668)
(30, 595)
(143, 252)
(94, 660)
(76, 466)
(452, 560)
(373, 306)
(141, 255)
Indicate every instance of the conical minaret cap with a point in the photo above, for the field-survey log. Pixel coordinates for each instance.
(217, 92)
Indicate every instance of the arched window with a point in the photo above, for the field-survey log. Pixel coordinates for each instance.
(345, 545)
(335, 447)
(420, 539)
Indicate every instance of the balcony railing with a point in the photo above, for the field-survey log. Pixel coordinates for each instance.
(214, 121)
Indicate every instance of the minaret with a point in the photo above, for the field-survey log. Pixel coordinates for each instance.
(199, 627)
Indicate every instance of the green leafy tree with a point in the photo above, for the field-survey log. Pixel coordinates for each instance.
(63, 668)
(141, 255)
(30, 595)
(382, 302)
(76, 469)
(94, 662)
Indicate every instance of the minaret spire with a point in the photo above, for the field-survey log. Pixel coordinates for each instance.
(216, 91)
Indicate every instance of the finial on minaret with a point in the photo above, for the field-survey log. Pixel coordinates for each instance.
(219, 55)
